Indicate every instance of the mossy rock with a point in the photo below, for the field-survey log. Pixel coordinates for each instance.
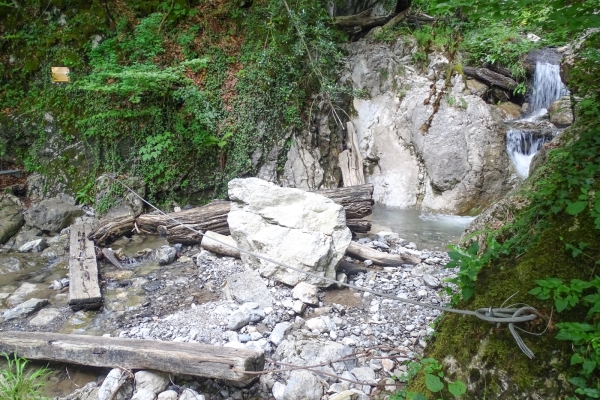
(485, 356)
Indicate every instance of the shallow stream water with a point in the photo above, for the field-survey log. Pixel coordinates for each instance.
(426, 229)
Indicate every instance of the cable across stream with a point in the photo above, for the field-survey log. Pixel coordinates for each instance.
(510, 315)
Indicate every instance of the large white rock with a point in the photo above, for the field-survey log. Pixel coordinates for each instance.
(298, 228)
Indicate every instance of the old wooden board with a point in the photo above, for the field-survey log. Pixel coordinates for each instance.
(172, 357)
(84, 291)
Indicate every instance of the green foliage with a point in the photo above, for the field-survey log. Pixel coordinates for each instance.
(585, 336)
(497, 43)
(470, 262)
(16, 384)
(434, 381)
(165, 94)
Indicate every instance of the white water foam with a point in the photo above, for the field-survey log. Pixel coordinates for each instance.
(522, 145)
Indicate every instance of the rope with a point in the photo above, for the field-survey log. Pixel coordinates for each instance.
(508, 316)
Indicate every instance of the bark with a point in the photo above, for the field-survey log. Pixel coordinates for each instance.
(110, 229)
(209, 244)
(491, 77)
(363, 252)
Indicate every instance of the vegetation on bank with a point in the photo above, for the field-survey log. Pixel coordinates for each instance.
(184, 93)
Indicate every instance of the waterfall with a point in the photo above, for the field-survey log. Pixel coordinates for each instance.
(522, 145)
(547, 86)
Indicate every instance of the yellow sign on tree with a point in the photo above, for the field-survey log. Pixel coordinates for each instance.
(60, 74)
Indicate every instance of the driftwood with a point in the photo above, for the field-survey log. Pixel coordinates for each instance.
(363, 252)
(356, 200)
(110, 229)
(351, 161)
(358, 225)
(363, 20)
(110, 256)
(172, 357)
(491, 77)
(211, 245)
(211, 217)
(84, 291)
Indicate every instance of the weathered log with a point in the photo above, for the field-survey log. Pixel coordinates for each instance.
(110, 229)
(356, 200)
(172, 357)
(209, 244)
(491, 77)
(84, 291)
(351, 160)
(363, 20)
(358, 225)
(212, 217)
(363, 252)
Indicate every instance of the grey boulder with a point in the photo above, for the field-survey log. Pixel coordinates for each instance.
(11, 220)
(52, 214)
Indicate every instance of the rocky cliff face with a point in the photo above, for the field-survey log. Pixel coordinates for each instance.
(458, 165)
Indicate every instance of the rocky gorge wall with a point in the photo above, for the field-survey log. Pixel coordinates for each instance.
(458, 165)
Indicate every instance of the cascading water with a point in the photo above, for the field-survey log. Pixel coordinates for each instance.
(523, 144)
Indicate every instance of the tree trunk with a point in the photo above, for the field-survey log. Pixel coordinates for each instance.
(363, 252)
(110, 229)
(356, 200)
(491, 77)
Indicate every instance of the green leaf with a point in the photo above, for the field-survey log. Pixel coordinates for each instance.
(415, 396)
(561, 304)
(576, 359)
(536, 291)
(457, 388)
(576, 207)
(433, 383)
(467, 293)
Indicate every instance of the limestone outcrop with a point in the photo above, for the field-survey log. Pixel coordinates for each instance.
(305, 230)
(457, 164)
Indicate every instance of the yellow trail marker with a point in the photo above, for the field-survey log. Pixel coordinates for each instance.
(60, 74)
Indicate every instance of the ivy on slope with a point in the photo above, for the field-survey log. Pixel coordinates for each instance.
(182, 93)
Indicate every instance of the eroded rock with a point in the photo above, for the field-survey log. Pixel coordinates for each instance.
(295, 227)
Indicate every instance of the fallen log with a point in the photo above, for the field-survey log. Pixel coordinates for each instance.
(358, 225)
(171, 357)
(356, 200)
(363, 252)
(211, 217)
(491, 77)
(364, 20)
(209, 244)
(110, 229)
(84, 291)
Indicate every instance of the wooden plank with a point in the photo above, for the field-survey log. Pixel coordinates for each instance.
(172, 357)
(84, 291)
(363, 252)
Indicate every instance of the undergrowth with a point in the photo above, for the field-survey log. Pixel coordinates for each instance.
(17, 384)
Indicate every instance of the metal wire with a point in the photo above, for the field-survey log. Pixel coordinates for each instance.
(494, 315)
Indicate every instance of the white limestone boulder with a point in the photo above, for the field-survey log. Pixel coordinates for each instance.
(298, 228)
